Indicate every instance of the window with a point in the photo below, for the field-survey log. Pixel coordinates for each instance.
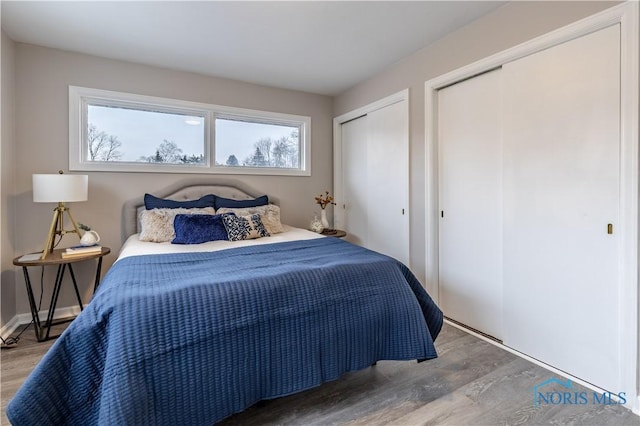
(245, 142)
(137, 134)
(111, 131)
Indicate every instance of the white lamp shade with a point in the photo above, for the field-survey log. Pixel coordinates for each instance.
(60, 188)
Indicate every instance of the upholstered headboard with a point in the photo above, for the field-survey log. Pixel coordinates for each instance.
(187, 189)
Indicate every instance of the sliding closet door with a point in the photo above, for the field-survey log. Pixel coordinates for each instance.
(355, 180)
(375, 180)
(561, 199)
(470, 193)
(388, 164)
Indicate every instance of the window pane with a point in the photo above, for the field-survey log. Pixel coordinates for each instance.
(126, 134)
(240, 142)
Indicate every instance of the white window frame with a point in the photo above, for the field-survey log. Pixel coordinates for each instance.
(79, 97)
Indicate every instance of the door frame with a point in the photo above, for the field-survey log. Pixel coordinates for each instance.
(338, 186)
(627, 15)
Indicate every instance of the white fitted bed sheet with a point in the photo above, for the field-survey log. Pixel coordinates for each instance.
(134, 247)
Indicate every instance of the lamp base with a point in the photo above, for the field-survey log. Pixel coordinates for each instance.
(57, 228)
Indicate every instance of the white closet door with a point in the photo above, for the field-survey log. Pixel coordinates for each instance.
(561, 188)
(355, 180)
(470, 179)
(375, 180)
(388, 182)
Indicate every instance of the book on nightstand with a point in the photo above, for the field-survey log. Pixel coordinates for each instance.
(81, 250)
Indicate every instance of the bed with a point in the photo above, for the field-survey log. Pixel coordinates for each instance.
(193, 333)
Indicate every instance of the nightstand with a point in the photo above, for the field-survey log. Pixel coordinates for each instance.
(55, 258)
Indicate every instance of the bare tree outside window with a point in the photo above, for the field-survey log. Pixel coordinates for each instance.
(102, 147)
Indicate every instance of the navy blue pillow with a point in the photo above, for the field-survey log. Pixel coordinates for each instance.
(198, 228)
(240, 204)
(151, 202)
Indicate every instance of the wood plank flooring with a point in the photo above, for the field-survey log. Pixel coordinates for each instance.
(472, 382)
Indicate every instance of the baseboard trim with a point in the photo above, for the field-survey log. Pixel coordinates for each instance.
(10, 327)
(21, 319)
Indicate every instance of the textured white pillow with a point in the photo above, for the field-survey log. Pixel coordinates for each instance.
(269, 214)
(156, 225)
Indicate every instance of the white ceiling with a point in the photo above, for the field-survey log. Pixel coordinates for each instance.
(319, 47)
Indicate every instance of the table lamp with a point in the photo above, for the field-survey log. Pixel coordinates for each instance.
(59, 188)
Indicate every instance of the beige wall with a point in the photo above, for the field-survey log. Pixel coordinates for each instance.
(39, 79)
(41, 120)
(7, 182)
(506, 27)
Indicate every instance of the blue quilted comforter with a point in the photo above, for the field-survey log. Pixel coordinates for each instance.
(192, 338)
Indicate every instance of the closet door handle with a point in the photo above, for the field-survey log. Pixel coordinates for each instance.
(609, 228)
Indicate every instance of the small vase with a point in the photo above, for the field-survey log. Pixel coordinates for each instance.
(89, 238)
(323, 219)
(316, 225)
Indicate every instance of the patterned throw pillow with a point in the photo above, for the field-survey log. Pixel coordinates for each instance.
(244, 227)
(269, 214)
(156, 225)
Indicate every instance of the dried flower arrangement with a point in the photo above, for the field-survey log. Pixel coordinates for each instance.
(324, 200)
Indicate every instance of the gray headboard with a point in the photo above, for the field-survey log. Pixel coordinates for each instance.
(187, 189)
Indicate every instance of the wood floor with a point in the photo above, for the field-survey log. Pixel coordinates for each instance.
(471, 383)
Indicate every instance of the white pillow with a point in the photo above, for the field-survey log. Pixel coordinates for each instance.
(269, 214)
(156, 225)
